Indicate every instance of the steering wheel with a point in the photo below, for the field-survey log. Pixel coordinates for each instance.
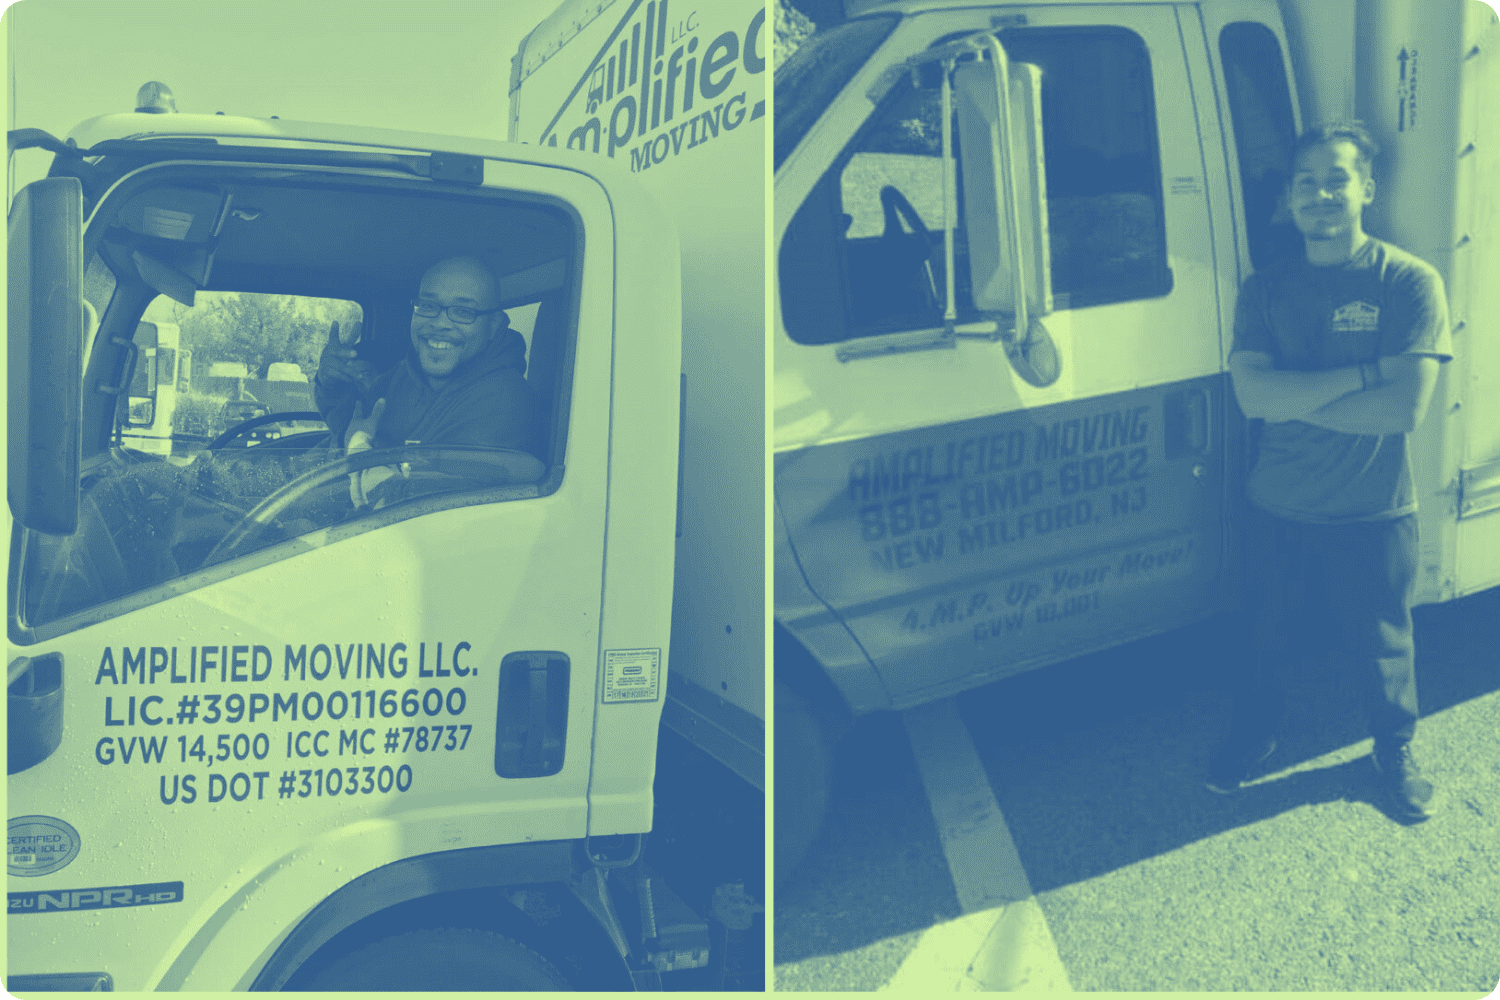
(501, 467)
(896, 208)
(254, 422)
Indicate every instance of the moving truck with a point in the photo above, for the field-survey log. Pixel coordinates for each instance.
(309, 742)
(675, 93)
(1009, 239)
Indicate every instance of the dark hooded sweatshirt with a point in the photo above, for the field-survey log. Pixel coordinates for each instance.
(488, 403)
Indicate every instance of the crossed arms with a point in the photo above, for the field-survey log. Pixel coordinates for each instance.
(1335, 399)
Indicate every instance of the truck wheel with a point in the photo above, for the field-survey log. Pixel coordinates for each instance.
(449, 958)
(804, 772)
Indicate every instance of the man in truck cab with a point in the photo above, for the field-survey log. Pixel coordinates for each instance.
(1337, 351)
(461, 383)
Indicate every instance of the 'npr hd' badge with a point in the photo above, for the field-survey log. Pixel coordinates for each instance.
(39, 845)
(632, 675)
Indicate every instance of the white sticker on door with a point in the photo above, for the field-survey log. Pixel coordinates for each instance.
(632, 675)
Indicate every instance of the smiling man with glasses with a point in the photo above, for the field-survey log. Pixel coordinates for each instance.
(461, 383)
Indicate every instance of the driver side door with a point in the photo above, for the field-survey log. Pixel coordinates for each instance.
(962, 524)
(418, 678)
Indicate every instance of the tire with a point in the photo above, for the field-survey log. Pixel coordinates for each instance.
(449, 958)
(804, 773)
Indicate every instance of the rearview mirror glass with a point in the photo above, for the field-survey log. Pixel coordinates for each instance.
(45, 327)
(991, 255)
(142, 410)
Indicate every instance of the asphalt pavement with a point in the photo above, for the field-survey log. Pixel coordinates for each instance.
(1142, 878)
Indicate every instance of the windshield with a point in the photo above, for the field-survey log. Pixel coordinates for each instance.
(809, 81)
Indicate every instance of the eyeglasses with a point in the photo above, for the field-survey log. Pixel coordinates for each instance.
(458, 314)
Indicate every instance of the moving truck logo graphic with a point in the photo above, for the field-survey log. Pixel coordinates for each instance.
(663, 83)
(1356, 317)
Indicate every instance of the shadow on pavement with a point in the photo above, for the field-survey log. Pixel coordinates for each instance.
(1098, 763)
(877, 869)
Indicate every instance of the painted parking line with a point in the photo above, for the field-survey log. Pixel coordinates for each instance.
(1001, 942)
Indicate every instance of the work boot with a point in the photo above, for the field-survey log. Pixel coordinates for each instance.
(1232, 763)
(1408, 791)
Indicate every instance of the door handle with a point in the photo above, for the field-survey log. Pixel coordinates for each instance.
(1189, 422)
(536, 719)
(1200, 421)
(531, 724)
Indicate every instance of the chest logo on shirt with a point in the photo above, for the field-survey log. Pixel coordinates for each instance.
(1356, 317)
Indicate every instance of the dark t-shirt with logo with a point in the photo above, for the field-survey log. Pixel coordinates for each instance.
(1381, 302)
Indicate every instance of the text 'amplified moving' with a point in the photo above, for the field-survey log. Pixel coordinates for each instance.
(639, 86)
(247, 664)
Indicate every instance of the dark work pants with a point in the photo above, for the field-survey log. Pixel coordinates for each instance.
(1367, 573)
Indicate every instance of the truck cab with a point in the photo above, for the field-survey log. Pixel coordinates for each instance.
(963, 517)
(1009, 239)
(310, 742)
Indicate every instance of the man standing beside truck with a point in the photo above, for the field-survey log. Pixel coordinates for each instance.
(1337, 351)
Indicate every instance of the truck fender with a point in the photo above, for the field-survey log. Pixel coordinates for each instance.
(413, 879)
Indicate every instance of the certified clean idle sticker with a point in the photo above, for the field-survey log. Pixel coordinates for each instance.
(39, 845)
(632, 675)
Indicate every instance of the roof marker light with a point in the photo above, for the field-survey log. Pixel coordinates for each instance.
(155, 99)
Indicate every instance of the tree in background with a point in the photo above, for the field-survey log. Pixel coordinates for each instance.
(259, 330)
(792, 27)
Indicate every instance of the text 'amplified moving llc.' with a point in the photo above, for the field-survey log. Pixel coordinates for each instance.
(39, 845)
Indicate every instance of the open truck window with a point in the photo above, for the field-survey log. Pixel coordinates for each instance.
(207, 440)
(871, 231)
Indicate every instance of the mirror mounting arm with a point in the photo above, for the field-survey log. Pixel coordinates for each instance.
(950, 182)
(980, 44)
(1028, 345)
(1030, 348)
(1008, 195)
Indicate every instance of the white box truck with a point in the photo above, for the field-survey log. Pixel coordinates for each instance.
(315, 731)
(675, 92)
(1004, 432)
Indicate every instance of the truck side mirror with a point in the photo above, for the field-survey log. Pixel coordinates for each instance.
(45, 329)
(991, 255)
